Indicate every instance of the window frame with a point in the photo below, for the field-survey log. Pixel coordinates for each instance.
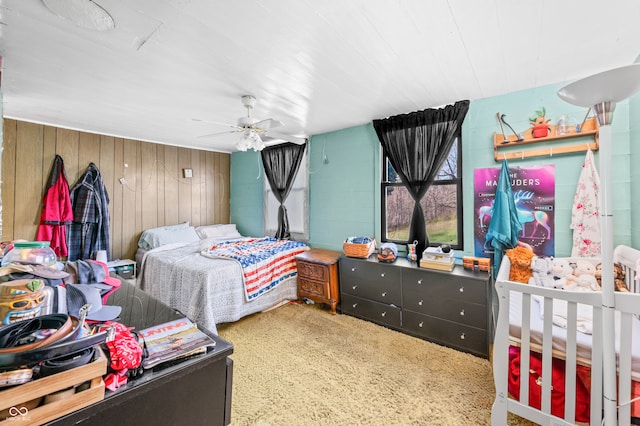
(384, 184)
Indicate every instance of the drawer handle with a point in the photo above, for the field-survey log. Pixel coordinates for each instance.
(421, 324)
(382, 275)
(461, 289)
(355, 305)
(384, 294)
(353, 269)
(420, 303)
(384, 314)
(462, 336)
(354, 287)
(420, 281)
(462, 313)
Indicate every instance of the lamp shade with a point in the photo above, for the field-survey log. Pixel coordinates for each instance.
(613, 85)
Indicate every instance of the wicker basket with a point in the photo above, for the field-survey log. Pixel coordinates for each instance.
(359, 250)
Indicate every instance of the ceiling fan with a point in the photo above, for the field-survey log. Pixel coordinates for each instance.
(253, 132)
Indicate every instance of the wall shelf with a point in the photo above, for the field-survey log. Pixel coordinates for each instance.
(555, 144)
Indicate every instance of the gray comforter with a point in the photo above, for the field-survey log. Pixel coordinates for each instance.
(208, 291)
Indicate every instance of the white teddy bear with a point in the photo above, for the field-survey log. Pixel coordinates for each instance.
(560, 270)
(583, 277)
(541, 272)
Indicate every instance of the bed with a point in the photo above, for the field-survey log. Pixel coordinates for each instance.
(565, 384)
(213, 286)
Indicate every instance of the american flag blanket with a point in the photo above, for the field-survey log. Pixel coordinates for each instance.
(266, 262)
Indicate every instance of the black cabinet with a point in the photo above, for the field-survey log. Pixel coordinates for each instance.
(195, 391)
(449, 308)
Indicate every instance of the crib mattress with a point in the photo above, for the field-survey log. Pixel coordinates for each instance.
(583, 340)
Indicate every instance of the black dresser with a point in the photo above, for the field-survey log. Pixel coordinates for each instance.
(195, 391)
(449, 308)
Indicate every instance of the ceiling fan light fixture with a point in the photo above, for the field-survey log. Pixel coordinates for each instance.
(250, 139)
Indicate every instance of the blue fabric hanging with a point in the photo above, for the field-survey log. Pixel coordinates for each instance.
(504, 227)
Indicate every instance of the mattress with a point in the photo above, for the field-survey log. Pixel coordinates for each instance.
(583, 340)
(208, 291)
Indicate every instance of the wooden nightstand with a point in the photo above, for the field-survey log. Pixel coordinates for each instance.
(318, 276)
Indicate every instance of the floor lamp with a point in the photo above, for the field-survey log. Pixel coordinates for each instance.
(601, 92)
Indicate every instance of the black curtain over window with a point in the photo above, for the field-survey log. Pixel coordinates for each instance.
(281, 163)
(417, 145)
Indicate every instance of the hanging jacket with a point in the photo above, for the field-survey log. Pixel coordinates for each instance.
(56, 210)
(89, 231)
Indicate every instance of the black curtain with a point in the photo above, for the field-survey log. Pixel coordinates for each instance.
(417, 145)
(281, 164)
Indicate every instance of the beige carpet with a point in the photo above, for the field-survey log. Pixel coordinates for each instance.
(300, 365)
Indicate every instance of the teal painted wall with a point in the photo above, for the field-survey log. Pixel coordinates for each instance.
(247, 190)
(634, 175)
(344, 195)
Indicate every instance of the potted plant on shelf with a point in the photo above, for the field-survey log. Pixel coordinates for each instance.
(540, 124)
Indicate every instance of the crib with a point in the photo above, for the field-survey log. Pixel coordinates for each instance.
(564, 384)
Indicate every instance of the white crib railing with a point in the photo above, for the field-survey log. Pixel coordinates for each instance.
(627, 306)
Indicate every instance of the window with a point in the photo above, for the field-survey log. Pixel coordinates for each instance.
(296, 204)
(441, 205)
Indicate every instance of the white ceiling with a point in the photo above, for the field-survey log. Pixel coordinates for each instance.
(315, 65)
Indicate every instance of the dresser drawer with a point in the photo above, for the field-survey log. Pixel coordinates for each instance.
(417, 284)
(449, 309)
(313, 271)
(370, 280)
(377, 312)
(458, 336)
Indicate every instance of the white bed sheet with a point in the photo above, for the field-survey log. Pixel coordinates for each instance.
(208, 291)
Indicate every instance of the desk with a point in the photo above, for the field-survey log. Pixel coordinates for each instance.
(195, 391)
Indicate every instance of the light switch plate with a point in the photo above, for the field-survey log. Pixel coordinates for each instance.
(187, 173)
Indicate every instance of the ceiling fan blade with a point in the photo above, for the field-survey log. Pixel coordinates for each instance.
(218, 124)
(269, 123)
(210, 135)
(286, 138)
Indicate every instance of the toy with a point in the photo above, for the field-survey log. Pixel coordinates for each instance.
(560, 270)
(583, 277)
(540, 124)
(541, 272)
(520, 258)
(619, 276)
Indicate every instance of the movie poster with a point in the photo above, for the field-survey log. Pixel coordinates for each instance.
(534, 195)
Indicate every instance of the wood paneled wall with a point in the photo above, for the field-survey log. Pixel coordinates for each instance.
(154, 192)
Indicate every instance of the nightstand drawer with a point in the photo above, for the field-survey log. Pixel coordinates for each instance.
(313, 271)
(313, 288)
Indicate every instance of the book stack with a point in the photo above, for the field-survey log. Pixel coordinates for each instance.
(174, 340)
(435, 258)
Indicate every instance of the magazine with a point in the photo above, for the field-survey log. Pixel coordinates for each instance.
(173, 340)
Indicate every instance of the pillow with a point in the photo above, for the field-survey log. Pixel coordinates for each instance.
(218, 231)
(155, 237)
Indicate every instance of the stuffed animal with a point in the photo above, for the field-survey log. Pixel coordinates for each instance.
(520, 258)
(583, 277)
(541, 272)
(618, 277)
(560, 270)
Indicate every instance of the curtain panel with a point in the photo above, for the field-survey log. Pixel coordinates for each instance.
(417, 144)
(281, 163)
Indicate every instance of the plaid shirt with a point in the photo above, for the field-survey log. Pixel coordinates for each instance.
(89, 231)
